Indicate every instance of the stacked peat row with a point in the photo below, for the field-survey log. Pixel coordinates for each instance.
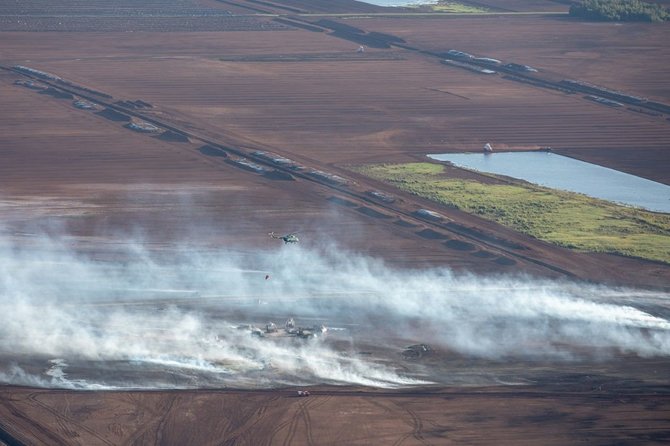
(52, 77)
(142, 126)
(615, 95)
(84, 105)
(467, 66)
(596, 90)
(246, 164)
(133, 105)
(381, 196)
(37, 73)
(29, 84)
(277, 160)
(329, 178)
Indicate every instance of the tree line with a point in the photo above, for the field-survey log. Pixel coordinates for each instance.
(619, 10)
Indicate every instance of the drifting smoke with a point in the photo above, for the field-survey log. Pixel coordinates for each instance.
(152, 322)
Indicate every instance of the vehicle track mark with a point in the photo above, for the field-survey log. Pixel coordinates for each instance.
(164, 419)
(34, 427)
(63, 421)
(308, 419)
(258, 416)
(298, 416)
(137, 402)
(416, 423)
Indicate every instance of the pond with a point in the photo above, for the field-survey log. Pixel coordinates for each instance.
(560, 172)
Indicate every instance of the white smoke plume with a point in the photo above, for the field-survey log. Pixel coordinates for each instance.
(151, 321)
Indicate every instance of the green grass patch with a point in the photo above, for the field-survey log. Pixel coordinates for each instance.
(563, 218)
(459, 8)
(450, 7)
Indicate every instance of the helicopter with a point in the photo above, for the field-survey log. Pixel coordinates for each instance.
(288, 238)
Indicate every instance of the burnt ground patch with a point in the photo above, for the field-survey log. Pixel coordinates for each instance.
(279, 175)
(8, 439)
(210, 150)
(547, 415)
(505, 261)
(477, 417)
(173, 136)
(660, 436)
(362, 39)
(57, 93)
(348, 32)
(341, 27)
(587, 422)
(459, 245)
(134, 105)
(404, 223)
(431, 235)
(113, 115)
(386, 37)
(300, 25)
(371, 212)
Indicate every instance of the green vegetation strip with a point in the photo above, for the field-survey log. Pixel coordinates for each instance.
(455, 7)
(620, 11)
(563, 218)
(428, 15)
(450, 7)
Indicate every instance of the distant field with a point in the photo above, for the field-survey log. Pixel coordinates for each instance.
(522, 5)
(563, 218)
(620, 56)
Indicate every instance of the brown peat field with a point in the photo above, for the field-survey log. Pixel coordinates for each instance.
(148, 150)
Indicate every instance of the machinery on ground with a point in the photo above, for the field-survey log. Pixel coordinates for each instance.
(290, 330)
(288, 238)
